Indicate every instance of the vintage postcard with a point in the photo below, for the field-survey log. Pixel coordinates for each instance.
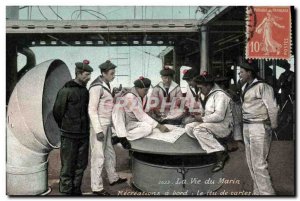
(147, 101)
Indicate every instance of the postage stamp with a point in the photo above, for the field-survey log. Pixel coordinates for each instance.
(268, 31)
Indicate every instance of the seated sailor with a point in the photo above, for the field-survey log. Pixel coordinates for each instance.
(165, 99)
(192, 103)
(215, 123)
(236, 138)
(129, 118)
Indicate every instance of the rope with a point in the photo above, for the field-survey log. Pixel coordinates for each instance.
(55, 13)
(88, 11)
(42, 13)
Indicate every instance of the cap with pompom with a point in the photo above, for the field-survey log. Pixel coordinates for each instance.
(249, 65)
(142, 82)
(167, 71)
(188, 74)
(84, 65)
(204, 77)
(106, 66)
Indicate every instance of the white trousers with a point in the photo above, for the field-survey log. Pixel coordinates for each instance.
(238, 121)
(257, 138)
(137, 130)
(204, 136)
(102, 154)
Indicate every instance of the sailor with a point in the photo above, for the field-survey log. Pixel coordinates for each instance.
(260, 112)
(129, 116)
(215, 123)
(192, 99)
(286, 83)
(166, 98)
(71, 114)
(236, 138)
(100, 111)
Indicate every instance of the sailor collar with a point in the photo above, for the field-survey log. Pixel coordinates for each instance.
(104, 84)
(253, 82)
(173, 86)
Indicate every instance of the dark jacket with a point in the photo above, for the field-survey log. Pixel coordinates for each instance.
(71, 110)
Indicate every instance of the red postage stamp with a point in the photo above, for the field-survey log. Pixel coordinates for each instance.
(268, 32)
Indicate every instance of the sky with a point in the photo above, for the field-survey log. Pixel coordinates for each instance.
(108, 12)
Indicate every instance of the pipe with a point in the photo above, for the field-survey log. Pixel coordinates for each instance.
(11, 67)
(204, 49)
(12, 12)
(31, 129)
(30, 60)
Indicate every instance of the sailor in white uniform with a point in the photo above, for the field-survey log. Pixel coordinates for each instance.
(100, 107)
(215, 123)
(129, 116)
(260, 110)
(166, 98)
(192, 103)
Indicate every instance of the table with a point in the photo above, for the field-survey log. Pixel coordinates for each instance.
(180, 168)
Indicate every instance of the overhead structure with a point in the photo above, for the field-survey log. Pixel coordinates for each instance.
(159, 32)
(201, 42)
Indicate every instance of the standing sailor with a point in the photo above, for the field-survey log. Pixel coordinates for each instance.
(100, 111)
(71, 114)
(286, 85)
(260, 111)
